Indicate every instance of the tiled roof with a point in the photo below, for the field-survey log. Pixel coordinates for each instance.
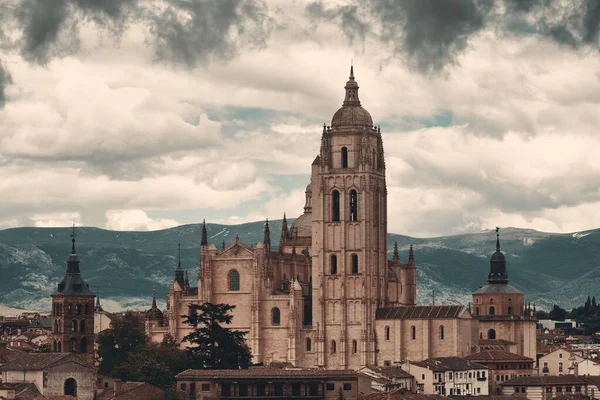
(265, 372)
(420, 312)
(391, 372)
(402, 394)
(497, 355)
(497, 288)
(449, 364)
(494, 342)
(134, 391)
(545, 380)
(38, 361)
(7, 355)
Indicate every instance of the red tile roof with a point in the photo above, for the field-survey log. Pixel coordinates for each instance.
(266, 373)
(497, 355)
(38, 361)
(546, 380)
(449, 364)
(420, 312)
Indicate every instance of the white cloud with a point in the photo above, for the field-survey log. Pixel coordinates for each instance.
(136, 220)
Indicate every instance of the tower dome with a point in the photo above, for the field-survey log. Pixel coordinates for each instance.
(498, 272)
(351, 113)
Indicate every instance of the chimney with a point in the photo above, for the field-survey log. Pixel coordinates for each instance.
(117, 385)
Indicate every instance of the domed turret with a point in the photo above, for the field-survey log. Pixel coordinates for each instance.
(498, 272)
(351, 113)
(154, 314)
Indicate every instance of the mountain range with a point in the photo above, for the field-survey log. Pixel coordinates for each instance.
(127, 267)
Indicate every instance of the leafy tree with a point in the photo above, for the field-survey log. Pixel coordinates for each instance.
(213, 345)
(45, 348)
(557, 313)
(125, 335)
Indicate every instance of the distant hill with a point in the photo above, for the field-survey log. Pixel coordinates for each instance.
(128, 266)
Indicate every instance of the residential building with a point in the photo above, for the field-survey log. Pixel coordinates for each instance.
(559, 362)
(546, 387)
(266, 382)
(387, 379)
(449, 376)
(503, 366)
(589, 366)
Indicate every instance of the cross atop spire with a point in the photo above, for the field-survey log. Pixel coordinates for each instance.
(497, 239)
(73, 236)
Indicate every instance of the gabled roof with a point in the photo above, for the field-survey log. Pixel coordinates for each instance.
(420, 312)
(441, 364)
(39, 361)
(497, 355)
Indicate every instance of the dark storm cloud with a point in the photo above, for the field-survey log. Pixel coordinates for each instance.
(202, 30)
(5, 80)
(431, 34)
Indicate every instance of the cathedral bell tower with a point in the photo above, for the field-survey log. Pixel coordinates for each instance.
(73, 310)
(349, 234)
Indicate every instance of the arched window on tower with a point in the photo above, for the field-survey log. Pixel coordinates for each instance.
(234, 280)
(333, 264)
(492, 310)
(73, 326)
(82, 326)
(355, 263)
(275, 316)
(353, 205)
(78, 309)
(477, 311)
(387, 333)
(354, 347)
(70, 309)
(83, 345)
(344, 157)
(335, 206)
(73, 344)
(86, 309)
(333, 347)
(510, 311)
(491, 334)
(308, 344)
(59, 346)
(413, 332)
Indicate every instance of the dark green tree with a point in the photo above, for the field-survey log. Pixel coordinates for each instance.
(557, 313)
(125, 335)
(213, 345)
(594, 305)
(541, 314)
(341, 395)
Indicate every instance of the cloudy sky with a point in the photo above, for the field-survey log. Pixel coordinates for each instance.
(133, 114)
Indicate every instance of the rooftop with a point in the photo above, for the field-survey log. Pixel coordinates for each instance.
(265, 373)
(449, 364)
(546, 380)
(497, 355)
(420, 312)
(39, 361)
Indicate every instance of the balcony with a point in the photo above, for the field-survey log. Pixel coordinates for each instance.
(482, 379)
(545, 370)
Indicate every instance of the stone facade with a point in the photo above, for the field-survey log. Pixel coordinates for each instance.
(329, 297)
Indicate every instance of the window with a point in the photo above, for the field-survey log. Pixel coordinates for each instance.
(333, 347)
(335, 206)
(78, 309)
(330, 386)
(308, 344)
(569, 388)
(442, 332)
(353, 205)
(347, 386)
(82, 326)
(509, 310)
(70, 308)
(73, 344)
(344, 157)
(333, 264)
(560, 367)
(449, 376)
(578, 388)
(73, 326)
(83, 345)
(275, 316)
(354, 263)
(559, 389)
(483, 374)
(413, 332)
(86, 309)
(354, 347)
(549, 389)
(183, 387)
(491, 334)
(492, 310)
(559, 355)
(477, 311)
(234, 280)
(387, 333)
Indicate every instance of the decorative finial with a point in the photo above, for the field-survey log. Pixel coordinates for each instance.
(73, 235)
(411, 254)
(284, 228)
(204, 239)
(351, 71)
(179, 255)
(267, 236)
(154, 307)
(497, 239)
(396, 256)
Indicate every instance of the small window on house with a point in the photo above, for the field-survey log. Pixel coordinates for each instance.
(354, 263)
(183, 387)
(413, 332)
(491, 334)
(387, 333)
(492, 310)
(559, 355)
(333, 264)
(347, 386)
(330, 386)
(234, 280)
(205, 387)
(353, 205)
(335, 206)
(510, 310)
(86, 309)
(82, 326)
(344, 157)
(276, 316)
(477, 311)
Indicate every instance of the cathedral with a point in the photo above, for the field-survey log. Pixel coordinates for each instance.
(328, 297)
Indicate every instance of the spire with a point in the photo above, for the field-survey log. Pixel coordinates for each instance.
(284, 228)
(204, 239)
(178, 255)
(178, 271)
(351, 87)
(267, 236)
(73, 235)
(154, 306)
(498, 273)
(98, 307)
(396, 256)
(411, 255)
(497, 239)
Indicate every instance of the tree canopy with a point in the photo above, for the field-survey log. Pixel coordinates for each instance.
(212, 344)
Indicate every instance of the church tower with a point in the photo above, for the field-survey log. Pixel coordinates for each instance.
(349, 227)
(73, 310)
